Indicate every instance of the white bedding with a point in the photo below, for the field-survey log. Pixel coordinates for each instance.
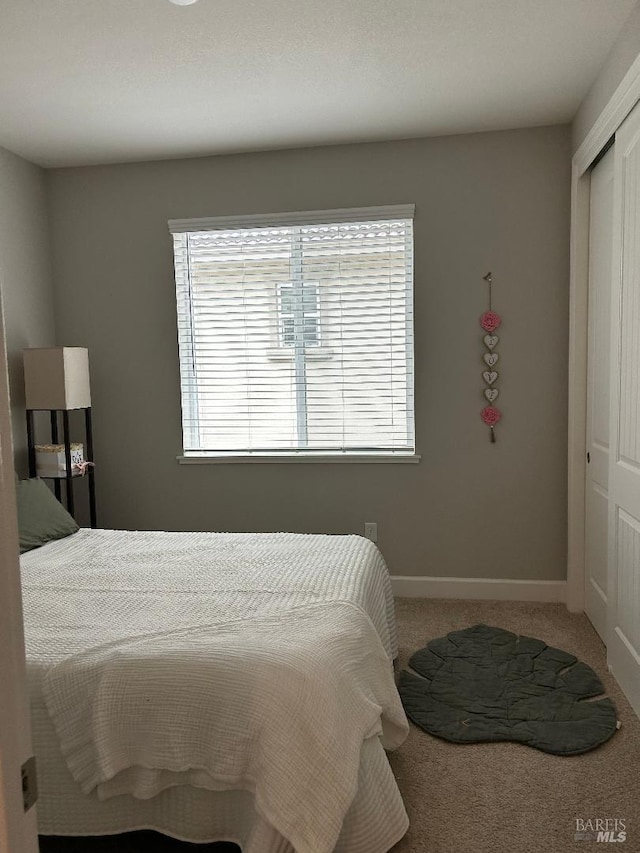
(105, 587)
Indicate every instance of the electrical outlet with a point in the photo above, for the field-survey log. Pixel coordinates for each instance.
(371, 530)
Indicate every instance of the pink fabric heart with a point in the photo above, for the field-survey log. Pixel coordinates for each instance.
(490, 415)
(490, 321)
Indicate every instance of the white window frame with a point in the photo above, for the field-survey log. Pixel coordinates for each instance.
(358, 214)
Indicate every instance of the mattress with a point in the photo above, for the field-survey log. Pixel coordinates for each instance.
(99, 586)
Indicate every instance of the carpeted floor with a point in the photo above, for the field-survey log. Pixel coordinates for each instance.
(509, 798)
(484, 798)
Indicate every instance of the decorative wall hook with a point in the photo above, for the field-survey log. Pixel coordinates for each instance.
(490, 321)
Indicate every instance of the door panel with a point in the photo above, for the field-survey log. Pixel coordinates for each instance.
(628, 549)
(598, 396)
(598, 516)
(17, 829)
(623, 628)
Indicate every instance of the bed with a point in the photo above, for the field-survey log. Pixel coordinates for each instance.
(262, 663)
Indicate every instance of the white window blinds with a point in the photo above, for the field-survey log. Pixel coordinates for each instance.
(295, 332)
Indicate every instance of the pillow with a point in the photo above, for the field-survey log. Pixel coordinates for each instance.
(41, 517)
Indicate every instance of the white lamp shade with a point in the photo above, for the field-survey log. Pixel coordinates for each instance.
(57, 378)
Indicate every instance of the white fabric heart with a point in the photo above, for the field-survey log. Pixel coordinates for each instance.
(491, 394)
(490, 376)
(491, 358)
(491, 341)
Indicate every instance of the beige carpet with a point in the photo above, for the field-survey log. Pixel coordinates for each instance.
(510, 798)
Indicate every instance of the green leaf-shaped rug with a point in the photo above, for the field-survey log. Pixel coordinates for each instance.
(486, 684)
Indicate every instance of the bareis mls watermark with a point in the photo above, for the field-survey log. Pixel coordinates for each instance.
(607, 829)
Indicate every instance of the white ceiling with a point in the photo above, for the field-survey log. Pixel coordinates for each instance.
(100, 81)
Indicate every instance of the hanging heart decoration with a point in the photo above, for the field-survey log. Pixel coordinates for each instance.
(490, 321)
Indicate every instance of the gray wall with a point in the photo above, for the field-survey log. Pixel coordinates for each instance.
(25, 277)
(494, 201)
(622, 55)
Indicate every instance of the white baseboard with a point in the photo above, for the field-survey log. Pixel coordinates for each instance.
(493, 589)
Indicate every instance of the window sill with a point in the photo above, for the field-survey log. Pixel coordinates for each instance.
(326, 458)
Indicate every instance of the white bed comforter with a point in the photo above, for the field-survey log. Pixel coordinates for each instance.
(279, 705)
(274, 677)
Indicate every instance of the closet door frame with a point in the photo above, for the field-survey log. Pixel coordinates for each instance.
(617, 109)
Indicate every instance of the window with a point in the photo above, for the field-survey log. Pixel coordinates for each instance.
(295, 333)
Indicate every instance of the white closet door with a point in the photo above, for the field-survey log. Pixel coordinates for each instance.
(623, 631)
(598, 397)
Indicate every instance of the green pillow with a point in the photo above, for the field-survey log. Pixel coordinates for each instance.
(41, 517)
